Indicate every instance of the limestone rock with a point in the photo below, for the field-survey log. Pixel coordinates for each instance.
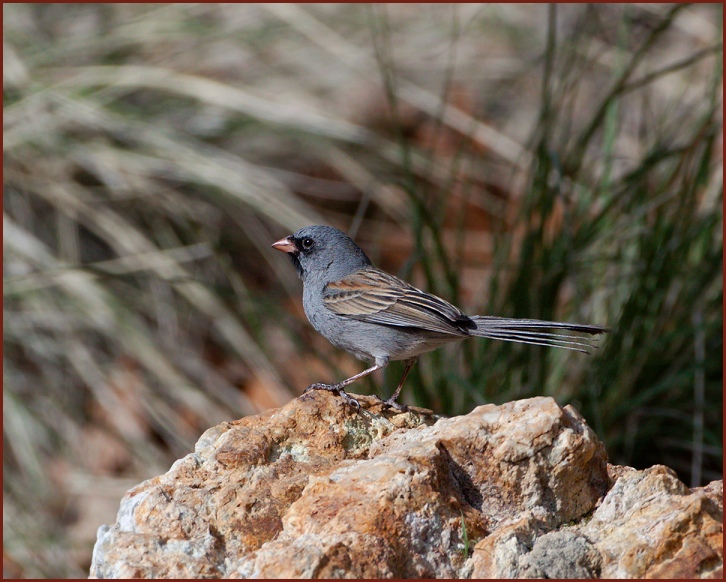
(314, 489)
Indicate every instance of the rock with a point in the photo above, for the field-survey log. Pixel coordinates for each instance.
(314, 489)
(649, 525)
(561, 554)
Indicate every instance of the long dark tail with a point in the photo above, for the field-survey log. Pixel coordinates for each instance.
(535, 331)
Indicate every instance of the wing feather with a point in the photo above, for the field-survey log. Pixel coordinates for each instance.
(375, 296)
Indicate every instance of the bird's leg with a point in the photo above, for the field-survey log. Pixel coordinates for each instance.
(392, 400)
(338, 388)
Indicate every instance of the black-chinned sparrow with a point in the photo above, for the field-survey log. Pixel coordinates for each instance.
(378, 317)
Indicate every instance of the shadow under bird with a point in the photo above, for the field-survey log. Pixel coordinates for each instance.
(379, 318)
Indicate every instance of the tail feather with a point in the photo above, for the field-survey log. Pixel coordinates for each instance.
(541, 340)
(530, 331)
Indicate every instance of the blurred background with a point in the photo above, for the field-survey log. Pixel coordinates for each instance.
(553, 162)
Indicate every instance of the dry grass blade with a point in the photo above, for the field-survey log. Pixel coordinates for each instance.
(124, 265)
(210, 92)
(173, 156)
(317, 32)
(129, 240)
(99, 308)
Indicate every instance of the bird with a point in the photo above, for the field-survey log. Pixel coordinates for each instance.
(380, 318)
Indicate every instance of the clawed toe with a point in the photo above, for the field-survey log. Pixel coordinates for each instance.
(338, 390)
(350, 400)
(397, 405)
(391, 403)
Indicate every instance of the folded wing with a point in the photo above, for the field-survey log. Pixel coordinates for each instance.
(375, 296)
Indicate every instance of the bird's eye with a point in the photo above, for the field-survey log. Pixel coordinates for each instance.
(307, 243)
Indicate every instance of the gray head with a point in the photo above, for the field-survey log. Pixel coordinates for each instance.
(322, 253)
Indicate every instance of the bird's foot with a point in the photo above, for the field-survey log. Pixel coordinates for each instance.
(394, 404)
(391, 403)
(338, 390)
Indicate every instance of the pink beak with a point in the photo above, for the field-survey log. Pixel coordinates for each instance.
(285, 245)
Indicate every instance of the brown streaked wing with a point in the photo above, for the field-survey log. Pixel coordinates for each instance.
(375, 296)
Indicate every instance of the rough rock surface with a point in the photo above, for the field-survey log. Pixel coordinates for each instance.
(314, 489)
(649, 525)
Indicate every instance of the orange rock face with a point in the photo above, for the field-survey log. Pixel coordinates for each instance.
(314, 489)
